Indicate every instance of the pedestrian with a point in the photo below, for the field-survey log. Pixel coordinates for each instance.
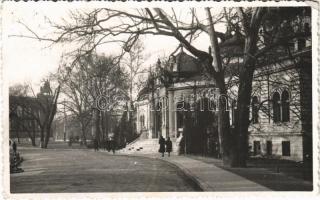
(162, 145)
(14, 147)
(113, 146)
(95, 144)
(168, 146)
(70, 141)
(105, 144)
(108, 144)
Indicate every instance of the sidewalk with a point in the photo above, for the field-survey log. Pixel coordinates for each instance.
(210, 177)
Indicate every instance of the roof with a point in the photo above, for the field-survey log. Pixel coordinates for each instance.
(232, 46)
(145, 90)
(186, 63)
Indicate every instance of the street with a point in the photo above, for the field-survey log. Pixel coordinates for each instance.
(82, 170)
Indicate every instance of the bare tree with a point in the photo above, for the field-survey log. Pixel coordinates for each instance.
(134, 65)
(78, 102)
(40, 108)
(47, 101)
(105, 25)
(92, 86)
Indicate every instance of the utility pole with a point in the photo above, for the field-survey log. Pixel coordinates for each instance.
(268, 82)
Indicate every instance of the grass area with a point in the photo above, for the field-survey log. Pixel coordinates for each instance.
(288, 167)
(279, 175)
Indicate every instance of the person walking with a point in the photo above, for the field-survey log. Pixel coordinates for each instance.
(95, 144)
(168, 146)
(14, 147)
(113, 146)
(162, 145)
(105, 144)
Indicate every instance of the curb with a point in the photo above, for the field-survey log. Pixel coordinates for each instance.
(202, 186)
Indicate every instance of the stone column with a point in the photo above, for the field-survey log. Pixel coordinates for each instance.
(172, 114)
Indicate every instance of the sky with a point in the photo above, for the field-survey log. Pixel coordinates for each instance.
(29, 61)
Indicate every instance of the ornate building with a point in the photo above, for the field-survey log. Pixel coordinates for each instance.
(280, 97)
(281, 101)
(169, 105)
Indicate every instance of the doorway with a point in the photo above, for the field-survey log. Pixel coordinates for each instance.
(269, 148)
(256, 148)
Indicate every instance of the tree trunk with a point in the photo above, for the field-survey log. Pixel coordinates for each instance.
(33, 135)
(52, 109)
(251, 27)
(33, 139)
(97, 126)
(305, 76)
(47, 136)
(242, 119)
(102, 124)
(225, 137)
(106, 124)
(243, 102)
(83, 134)
(94, 124)
(42, 137)
(18, 135)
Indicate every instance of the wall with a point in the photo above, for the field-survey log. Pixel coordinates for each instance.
(278, 77)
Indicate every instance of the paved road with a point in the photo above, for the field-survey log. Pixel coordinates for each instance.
(63, 170)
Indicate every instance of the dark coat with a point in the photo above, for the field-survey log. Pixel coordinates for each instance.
(168, 146)
(162, 145)
(14, 147)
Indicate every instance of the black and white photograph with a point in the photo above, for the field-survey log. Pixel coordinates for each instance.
(139, 98)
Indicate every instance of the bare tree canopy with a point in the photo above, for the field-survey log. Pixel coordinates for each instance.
(253, 31)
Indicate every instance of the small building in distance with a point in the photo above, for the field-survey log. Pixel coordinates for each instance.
(24, 112)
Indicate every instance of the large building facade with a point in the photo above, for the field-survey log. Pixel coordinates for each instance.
(281, 100)
(280, 97)
(172, 108)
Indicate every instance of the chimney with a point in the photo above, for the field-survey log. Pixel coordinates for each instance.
(181, 47)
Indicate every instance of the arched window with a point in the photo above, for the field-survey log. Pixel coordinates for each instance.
(285, 106)
(223, 103)
(255, 110)
(276, 107)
